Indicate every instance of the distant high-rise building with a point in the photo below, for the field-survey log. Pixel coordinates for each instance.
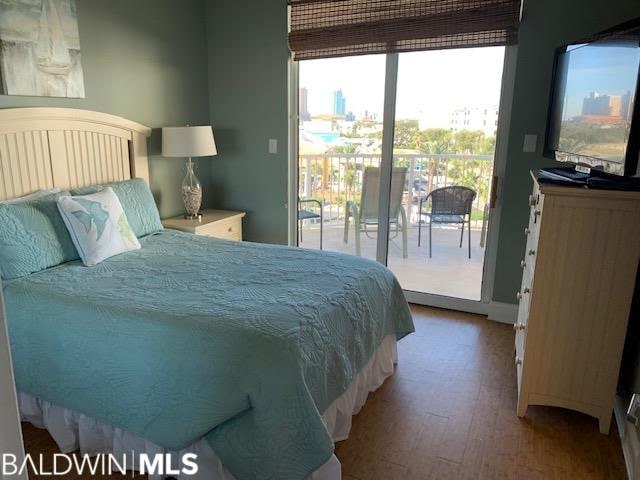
(615, 105)
(368, 116)
(475, 118)
(350, 117)
(303, 106)
(607, 105)
(339, 103)
(625, 106)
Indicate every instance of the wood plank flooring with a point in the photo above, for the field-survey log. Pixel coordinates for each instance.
(448, 413)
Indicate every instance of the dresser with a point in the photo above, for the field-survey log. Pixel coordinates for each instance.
(579, 271)
(225, 224)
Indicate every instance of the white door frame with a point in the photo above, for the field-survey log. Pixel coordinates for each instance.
(498, 311)
(292, 202)
(386, 156)
(504, 312)
(501, 312)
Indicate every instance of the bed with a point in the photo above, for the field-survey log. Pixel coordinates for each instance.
(254, 356)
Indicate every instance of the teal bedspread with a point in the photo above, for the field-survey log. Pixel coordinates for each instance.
(244, 344)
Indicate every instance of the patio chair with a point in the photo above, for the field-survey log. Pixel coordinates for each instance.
(304, 214)
(365, 216)
(449, 205)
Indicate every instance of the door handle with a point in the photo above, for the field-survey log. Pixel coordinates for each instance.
(494, 192)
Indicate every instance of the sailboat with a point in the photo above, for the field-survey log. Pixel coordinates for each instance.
(52, 52)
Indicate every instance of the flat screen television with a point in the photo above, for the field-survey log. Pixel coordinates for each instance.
(595, 112)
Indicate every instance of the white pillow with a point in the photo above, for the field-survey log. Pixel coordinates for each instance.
(98, 226)
(31, 196)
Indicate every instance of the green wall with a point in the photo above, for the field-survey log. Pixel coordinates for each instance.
(248, 57)
(145, 60)
(546, 24)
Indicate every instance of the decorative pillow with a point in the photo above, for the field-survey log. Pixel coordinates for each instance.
(137, 201)
(98, 226)
(31, 196)
(33, 237)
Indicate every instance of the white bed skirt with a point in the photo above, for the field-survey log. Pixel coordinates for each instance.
(73, 431)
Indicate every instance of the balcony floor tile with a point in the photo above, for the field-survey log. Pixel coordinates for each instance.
(449, 272)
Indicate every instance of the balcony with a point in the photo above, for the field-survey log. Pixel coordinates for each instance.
(335, 179)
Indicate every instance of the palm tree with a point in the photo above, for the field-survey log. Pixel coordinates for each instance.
(349, 177)
(434, 140)
(468, 141)
(345, 149)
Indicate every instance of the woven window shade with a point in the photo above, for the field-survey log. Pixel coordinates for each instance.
(337, 28)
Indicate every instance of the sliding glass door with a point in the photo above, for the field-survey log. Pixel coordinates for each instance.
(340, 104)
(395, 163)
(446, 124)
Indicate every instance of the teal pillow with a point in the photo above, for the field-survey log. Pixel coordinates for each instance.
(137, 202)
(33, 237)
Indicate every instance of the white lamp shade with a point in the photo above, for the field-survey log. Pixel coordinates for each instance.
(188, 142)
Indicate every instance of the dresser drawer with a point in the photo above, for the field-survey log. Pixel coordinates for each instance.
(523, 296)
(519, 356)
(528, 263)
(536, 204)
(228, 229)
(212, 223)
(519, 376)
(521, 334)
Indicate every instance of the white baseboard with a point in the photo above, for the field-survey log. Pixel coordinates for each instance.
(496, 311)
(502, 312)
(450, 303)
(629, 438)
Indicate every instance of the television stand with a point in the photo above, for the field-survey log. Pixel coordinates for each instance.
(579, 272)
(596, 179)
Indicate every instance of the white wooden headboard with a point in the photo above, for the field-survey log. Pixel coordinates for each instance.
(41, 148)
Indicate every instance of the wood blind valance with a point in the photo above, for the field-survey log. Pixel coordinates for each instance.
(336, 28)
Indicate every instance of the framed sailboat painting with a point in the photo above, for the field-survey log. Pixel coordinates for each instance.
(40, 48)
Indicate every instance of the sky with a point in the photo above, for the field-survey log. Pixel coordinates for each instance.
(430, 84)
(611, 70)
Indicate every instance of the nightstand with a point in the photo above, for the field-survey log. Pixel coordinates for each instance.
(225, 224)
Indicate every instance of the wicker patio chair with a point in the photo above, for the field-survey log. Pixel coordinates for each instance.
(449, 205)
(304, 214)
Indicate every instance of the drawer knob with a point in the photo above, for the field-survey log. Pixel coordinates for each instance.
(519, 296)
(518, 326)
(526, 290)
(532, 252)
(523, 264)
(518, 361)
(527, 231)
(230, 229)
(537, 213)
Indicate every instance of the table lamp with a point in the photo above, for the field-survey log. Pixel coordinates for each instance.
(189, 142)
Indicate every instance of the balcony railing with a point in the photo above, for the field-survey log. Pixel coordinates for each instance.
(336, 178)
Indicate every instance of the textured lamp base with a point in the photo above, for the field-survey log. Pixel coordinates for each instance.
(192, 194)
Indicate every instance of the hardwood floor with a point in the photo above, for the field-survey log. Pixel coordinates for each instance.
(39, 442)
(448, 413)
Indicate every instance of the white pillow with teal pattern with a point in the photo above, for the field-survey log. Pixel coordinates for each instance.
(98, 226)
